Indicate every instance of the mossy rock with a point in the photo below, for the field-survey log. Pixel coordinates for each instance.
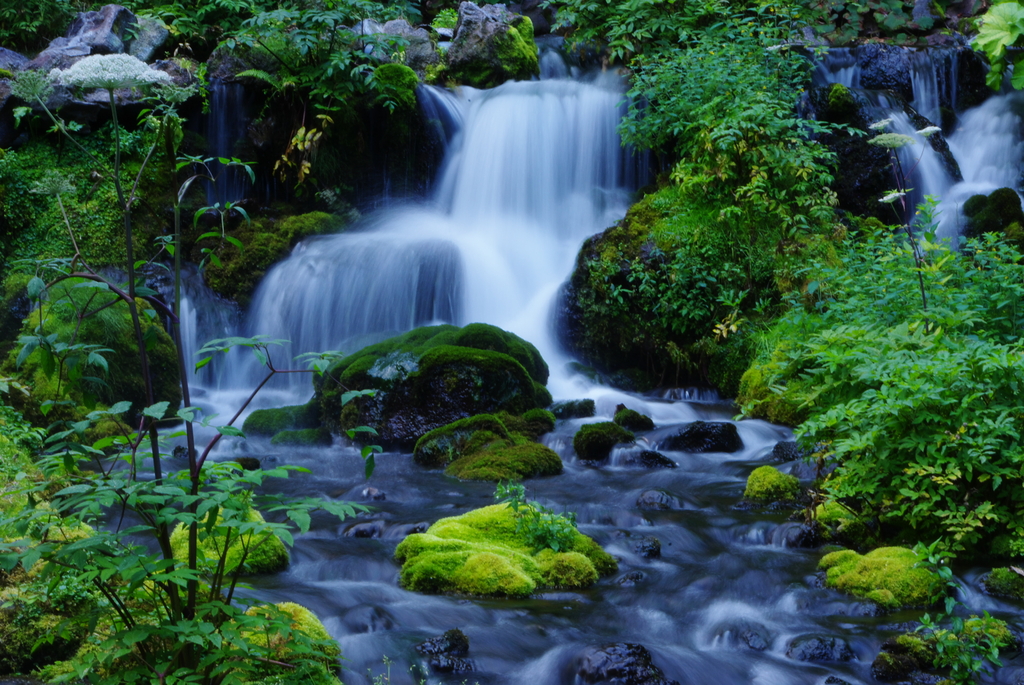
(491, 46)
(594, 441)
(632, 420)
(396, 85)
(889, 576)
(267, 554)
(444, 445)
(768, 484)
(430, 377)
(480, 553)
(999, 212)
(269, 422)
(265, 241)
(840, 524)
(303, 437)
(303, 621)
(110, 328)
(502, 461)
(1005, 582)
(760, 402)
(574, 409)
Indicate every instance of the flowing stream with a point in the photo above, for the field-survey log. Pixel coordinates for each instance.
(532, 170)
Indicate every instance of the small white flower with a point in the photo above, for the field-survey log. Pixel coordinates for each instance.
(880, 125)
(928, 130)
(891, 197)
(110, 72)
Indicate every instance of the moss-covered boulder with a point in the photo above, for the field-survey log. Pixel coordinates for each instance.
(269, 422)
(631, 419)
(998, 212)
(264, 553)
(431, 377)
(107, 325)
(303, 621)
(396, 86)
(304, 437)
(1005, 582)
(768, 484)
(838, 523)
(893, 577)
(573, 409)
(265, 241)
(904, 655)
(594, 441)
(491, 46)
(504, 461)
(480, 553)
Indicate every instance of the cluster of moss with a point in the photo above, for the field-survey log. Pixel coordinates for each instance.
(481, 553)
(491, 447)
(768, 484)
(573, 409)
(396, 86)
(840, 524)
(280, 645)
(434, 375)
(594, 441)
(269, 422)
(265, 241)
(631, 419)
(1005, 582)
(257, 553)
(893, 577)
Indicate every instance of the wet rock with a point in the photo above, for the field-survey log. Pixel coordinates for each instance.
(367, 529)
(998, 212)
(649, 547)
(150, 36)
(657, 500)
(632, 419)
(835, 680)
(594, 441)
(248, 463)
(539, 13)
(796, 536)
(491, 46)
(705, 436)
(886, 67)
(420, 53)
(631, 579)
(754, 640)
(649, 459)
(622, 663)
(101, 32)
(11, 60)
(786, 451)
(573, 409)
(814, 648)
(374, 495)
(447, 651)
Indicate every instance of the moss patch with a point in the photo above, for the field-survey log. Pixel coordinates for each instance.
(573, 409)
(266, 553)
(268, 422)
(632, 420)
(594, 441)
(481, 553)
(396, 85)
(507, 462)
(304, 437)
(768, 484)
(888, 575)
(444, 445)
(1005, 582)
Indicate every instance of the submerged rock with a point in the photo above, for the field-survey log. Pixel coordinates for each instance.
(649, 459)
(648, 547)
(657, 500)
(491, 46)
(622, 662)
(705, 436)
(814, 648)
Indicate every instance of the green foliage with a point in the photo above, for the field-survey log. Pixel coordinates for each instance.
(917, 406)
(396, 87)
(768, 484)
(542, 527)
(227, 544)
(446, 19)
(1002, 27)
(29, 27)
(594, 441)
(893, 577)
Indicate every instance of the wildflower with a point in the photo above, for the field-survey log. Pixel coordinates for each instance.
(110, 72)
(891, 197)
(31, 85)
(53, 183)
(880, 125)
(928, 131)
(892, 140)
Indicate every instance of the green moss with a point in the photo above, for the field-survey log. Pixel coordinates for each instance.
(507, 462)
(268, 422)
(443, 445)
(573, 409)
(396, 86)
(265, 242)
(303, 621)
(541, 395)
(842, 107)
(594, 441)
(266, 553)
(303, 437)
(993, 214)
(889, 576)
(768, 484)
(760, 401)
(537, 423)
(632, 420)
(1005, 582)
(6, 74)
(481, 553)
(514, 56)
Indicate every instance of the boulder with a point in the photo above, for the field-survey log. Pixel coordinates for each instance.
(150, 36)
(815, 648)
(632, 420)
(649, 459)
(594, 441)
(786, 451)
(11, 60)
(705, 436)
(657, 500)
(893, 577)
(886, 67)
(573, 409)
(491, 46)
(621, 662)
(998, 212)
(648, 547)
(420, 52)
(768, 484)
(101, 32)
(446, 652)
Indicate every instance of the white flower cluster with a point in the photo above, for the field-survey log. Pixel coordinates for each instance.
(110, 72)
(928, 131)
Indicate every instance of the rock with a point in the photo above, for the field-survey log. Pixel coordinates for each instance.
(901, 657)
(754, 640)
(1004, 582)
(621, 662)
(998, 212)
(631, 579)
(706, 436)
(649, 459)
(11, 60)
(886, 67)
(768, 484)
(796, 536)
(420, 53)
(367, 529)
(648, 547)
(491, 46)
(539, 13)
(632, 420)
(817, 649)
(248, 463)
(101, 32)
(836, 680)
(573, 409)
(657, 500)
(150, 36)
(891, 576)
(446, 652)
(182, 72)
(375, 495)
(786, 451)
(594, 441)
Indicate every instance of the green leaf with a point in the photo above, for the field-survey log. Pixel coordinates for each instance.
(156, 411)
(230, 431)
(35, 288)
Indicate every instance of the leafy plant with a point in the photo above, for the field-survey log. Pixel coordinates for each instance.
(446, 19)
(1001, 38)
(545, 528)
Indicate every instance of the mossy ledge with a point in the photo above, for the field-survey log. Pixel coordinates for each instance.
(890, 576)
(480, 553)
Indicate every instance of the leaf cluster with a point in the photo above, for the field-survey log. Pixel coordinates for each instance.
(543, 527)
(1001, 38)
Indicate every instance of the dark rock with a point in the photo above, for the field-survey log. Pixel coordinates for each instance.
(631, 579)
(656, 500)
(539, 13)
(754, 640)
(786, 451)
(367, 529)
(620, 663)
(890, 668)
(101, 32)
(420, 53)
(182, 72)
(649, 459)
(816, 649)
(374, 495)
(886, 67)
(446, 652)
(835, 680)
(797, 535)
(649, 547)
(573, 409)
(491, 46)
(705, 436)
(11, 60)
(150, 36)
(995, 213)
(248, 463)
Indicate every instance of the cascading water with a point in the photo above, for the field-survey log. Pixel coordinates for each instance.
(225, 128)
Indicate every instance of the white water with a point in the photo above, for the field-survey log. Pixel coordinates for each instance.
(534, 169)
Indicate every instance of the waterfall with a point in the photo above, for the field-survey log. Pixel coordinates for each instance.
(225, 128)
(531, 170)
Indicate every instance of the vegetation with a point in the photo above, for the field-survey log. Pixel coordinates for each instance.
(768, 484)
(594, 441)
(891, 576)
